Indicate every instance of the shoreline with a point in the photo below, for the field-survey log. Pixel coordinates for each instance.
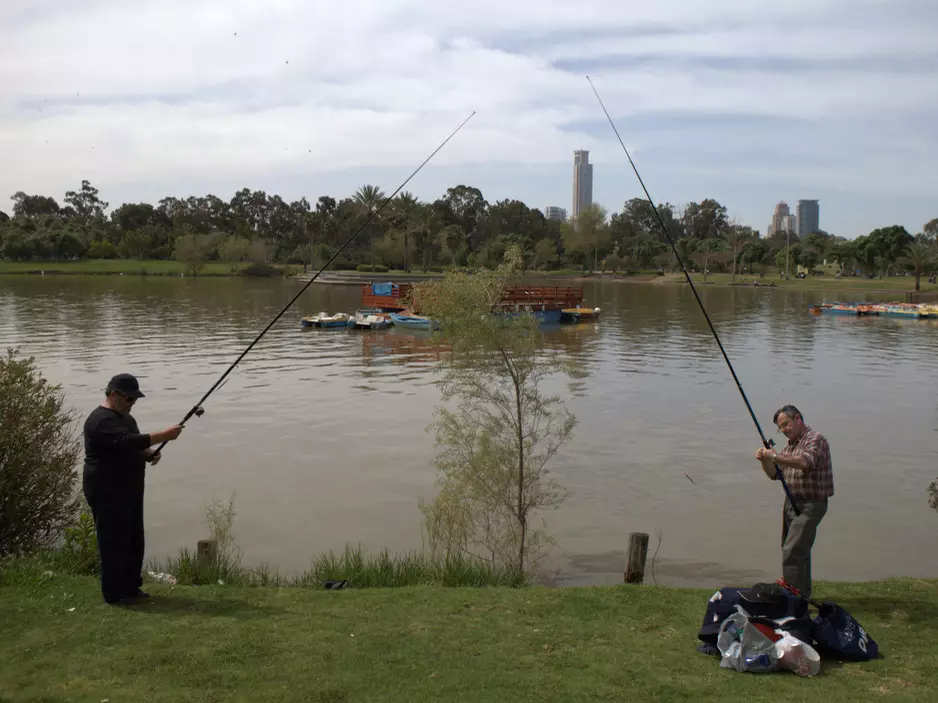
(218, 270)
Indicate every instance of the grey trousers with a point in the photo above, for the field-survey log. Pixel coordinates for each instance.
(798, 534)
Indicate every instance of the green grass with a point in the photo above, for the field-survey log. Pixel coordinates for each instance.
(212, 643)
(892, 284)
(363, 570)
(129, 267)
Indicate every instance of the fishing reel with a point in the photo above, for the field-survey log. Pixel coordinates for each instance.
(199, 411)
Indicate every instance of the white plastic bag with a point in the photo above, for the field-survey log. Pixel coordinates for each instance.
(743, 647)
(797, 656)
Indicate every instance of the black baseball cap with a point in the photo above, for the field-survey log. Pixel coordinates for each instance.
(126, 384)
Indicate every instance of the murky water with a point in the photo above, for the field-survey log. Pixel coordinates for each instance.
(321, 434)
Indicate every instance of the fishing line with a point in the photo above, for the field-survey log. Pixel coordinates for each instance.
(766, 442)
(197, 408)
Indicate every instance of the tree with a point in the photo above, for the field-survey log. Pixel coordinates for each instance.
(545, 254)
(234, 250)
(888, 244)
(754, 252)
(464, 207)
(844, 253)
(736, 238)
(194, 250)
(704, 254)
(919, 259)
(39, 452)
(85, 202)
(704, 220)
(134, 245)
(930, 228)
(686, 246)
(589, 231)
(495, 445)
(33, 205)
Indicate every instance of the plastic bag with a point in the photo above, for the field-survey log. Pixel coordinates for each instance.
(797, 656)
(839, 634)
(744, 647)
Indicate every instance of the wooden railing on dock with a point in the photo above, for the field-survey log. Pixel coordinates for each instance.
(396, 300)
(553, 297)
(519, 295)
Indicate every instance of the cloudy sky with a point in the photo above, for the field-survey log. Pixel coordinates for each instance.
(746, 101)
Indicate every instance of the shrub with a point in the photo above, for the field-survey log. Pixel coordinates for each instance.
(374, 268)
(102, 250)
(260, 270)
(39, 452)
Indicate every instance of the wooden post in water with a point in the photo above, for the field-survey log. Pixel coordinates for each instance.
(207, 552)
(638, 552)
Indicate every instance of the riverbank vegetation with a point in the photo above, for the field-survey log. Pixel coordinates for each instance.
(494, 446)
(460, 228)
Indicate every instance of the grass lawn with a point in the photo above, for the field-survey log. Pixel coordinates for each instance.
(214, 643)
(893, 283)
(130, 267)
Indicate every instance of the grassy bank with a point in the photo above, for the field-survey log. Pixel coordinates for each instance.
(213, 643)
(894, 284)
(127, 267)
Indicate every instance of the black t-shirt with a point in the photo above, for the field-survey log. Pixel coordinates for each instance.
(114, 448)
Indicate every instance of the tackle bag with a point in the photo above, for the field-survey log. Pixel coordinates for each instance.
(840, 636)
(766, 600)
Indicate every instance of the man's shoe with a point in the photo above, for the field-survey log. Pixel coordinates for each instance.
(139, 594)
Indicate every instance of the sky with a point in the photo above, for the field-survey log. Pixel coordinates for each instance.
(745, 101)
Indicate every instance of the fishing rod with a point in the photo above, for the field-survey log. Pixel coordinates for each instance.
(197, 409)
(766, 442)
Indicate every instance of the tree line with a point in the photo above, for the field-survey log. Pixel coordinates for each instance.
(459, 228)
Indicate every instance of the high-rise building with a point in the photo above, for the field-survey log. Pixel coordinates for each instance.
(789, 224)
(552, 212)
(582, 182)
(808, 215)
(779, 224)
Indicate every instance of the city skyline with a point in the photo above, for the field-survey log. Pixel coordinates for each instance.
(805, 220)
(734, 100)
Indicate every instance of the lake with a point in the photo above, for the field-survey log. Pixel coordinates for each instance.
(321, 434)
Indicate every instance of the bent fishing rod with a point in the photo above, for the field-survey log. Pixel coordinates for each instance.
(766, 442)
(197, 408)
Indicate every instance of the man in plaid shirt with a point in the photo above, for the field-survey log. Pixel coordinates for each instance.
(806, 465)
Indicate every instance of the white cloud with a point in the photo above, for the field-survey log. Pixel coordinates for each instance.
(135, 92)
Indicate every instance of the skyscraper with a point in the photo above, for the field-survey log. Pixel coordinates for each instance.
(779, 221)
(808, 215)
(582, 182)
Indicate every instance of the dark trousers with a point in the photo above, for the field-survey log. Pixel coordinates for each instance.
(118, 521)
(798, 535)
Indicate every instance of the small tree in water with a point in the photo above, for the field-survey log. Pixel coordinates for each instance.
(494, 447)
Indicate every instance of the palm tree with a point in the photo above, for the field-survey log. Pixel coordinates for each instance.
(425, 223)
(918, 258)
(405, 205)
(368, 198)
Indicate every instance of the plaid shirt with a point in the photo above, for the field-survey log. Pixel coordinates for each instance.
(818, 482)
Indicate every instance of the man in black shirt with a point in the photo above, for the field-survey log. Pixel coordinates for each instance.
(116, 453)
